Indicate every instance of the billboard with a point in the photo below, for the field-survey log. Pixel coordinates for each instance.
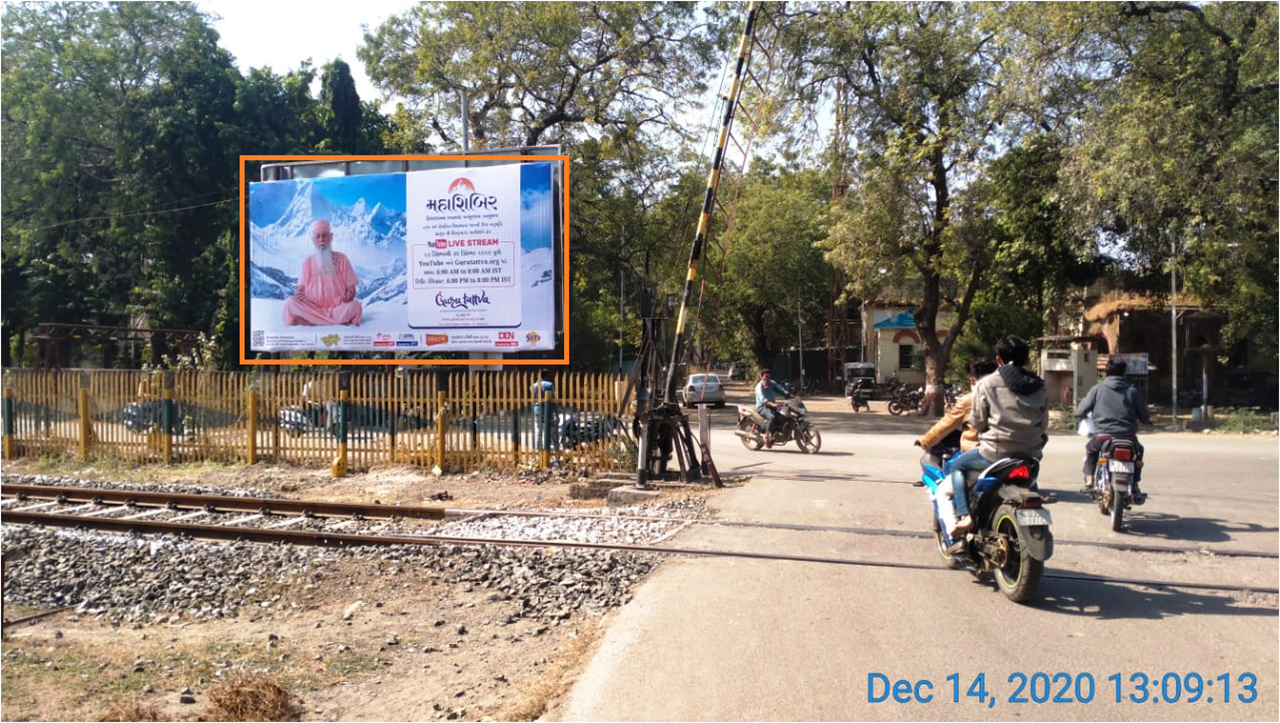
(450, 259)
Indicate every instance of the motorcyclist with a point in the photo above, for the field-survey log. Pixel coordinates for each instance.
(1117, 408)
(767, 403)
(1011, 415)
(956, 420)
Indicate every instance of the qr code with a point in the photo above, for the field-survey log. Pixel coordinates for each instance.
(259, 338)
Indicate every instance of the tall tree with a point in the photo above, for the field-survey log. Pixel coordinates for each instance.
(540, 73)
(343, 112)
(922, 80)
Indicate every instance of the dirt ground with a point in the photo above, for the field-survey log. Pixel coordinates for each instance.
(350, 646)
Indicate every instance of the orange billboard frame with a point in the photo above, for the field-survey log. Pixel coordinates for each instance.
(563, 360)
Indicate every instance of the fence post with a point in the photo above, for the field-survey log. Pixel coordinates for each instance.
(440, 427)
(251, 448)
(545, 416)
(86, 429)
(166, 418)
(339, 468)
(9, 447)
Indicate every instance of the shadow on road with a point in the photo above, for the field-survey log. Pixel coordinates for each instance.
(1187, 529)
(1113, 601)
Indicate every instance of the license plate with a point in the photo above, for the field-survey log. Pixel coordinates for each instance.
(1118, 466)
(1033, 518)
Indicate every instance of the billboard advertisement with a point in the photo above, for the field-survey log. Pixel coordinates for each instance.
(452, 259)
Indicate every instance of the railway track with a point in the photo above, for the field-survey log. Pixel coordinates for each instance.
(272, 520)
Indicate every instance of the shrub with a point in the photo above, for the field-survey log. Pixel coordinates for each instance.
(249, 697)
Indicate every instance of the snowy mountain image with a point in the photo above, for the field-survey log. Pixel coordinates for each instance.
(367, 227)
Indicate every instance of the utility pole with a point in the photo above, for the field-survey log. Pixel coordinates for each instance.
(1173, 331)
(800, 343)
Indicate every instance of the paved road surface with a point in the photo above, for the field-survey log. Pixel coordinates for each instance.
(740, 639)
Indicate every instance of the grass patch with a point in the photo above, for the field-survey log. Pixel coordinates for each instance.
(1243, 421)
(540, 693)
(66, 683)
(348, 662)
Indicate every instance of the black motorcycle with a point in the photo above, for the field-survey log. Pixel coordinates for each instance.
(1111, 485)
(859, 393)
(581, 428)
(142, 417)
(793, 423)
(950, 395)
(907, 400)
(1010, 537)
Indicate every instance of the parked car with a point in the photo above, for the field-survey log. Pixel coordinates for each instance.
(702, 389)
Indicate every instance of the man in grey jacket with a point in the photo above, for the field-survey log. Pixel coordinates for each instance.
(1117, 407)
(1011, 414)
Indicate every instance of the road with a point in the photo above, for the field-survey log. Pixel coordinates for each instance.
(742, 639)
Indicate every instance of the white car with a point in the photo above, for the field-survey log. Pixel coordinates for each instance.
(702, 389)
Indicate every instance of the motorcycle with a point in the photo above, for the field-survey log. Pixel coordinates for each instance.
(907, 400)
(859, 393)
(581, 428)
(142, 417)
(299, 420)
(793, 423)
(1111, 484)
(1010, 537)
(950, 395)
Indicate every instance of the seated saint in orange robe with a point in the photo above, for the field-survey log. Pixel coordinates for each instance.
(326, 290)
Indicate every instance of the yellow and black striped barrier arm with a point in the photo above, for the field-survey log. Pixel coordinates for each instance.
(713, 179)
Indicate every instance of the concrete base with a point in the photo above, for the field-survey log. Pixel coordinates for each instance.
(629, 495)
(593, 490)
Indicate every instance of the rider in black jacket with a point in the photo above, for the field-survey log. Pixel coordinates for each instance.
(1117, 408)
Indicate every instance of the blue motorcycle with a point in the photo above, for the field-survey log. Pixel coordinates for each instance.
(1010, 537)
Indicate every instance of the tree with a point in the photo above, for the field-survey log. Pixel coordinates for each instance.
(123, 125)
(116, 180)
(340, 102)
(540, 72)
(922, 79)
(1177, 161)
(774, 268)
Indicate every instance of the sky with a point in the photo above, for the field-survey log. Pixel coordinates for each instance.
(283, 33)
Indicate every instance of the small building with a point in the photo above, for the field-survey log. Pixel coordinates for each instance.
(893, 343)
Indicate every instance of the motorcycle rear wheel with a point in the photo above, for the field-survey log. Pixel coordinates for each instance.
(1117, 511)
(751, 443)
(895, 408)
(809, 440)
(1020, 575)
(1102, 490)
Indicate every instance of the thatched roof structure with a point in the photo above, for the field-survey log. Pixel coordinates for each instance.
(1113, 302)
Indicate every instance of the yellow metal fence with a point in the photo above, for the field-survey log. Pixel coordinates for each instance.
(459, 422)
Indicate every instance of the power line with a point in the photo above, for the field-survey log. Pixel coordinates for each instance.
(130, 215)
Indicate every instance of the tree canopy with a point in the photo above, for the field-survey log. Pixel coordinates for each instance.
(538, 73)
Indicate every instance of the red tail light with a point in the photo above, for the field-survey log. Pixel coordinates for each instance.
(1032, 503)
(1020, 472)
(1123, 454)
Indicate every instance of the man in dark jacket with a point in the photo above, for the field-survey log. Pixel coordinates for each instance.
(1011, 415)
(1117, 407)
